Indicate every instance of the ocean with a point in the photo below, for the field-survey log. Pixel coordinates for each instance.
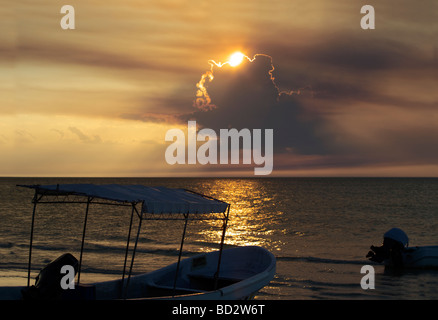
(319, 229)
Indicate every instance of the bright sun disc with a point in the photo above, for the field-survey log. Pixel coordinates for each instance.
(236, 59)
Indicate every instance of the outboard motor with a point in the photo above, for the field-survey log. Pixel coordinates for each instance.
(48, 282)
(395, 241)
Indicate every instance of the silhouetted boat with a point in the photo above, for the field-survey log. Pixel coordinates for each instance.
(395, 252)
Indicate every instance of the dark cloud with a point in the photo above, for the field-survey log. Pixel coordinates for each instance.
(335, 79)
(92, 56)
(85, 138)
(364, 53)
(150, 117)
(246, 97)
(23, 136)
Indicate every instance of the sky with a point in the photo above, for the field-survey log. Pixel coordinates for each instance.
(98, 100)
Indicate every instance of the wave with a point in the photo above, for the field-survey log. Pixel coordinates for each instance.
(6, 245)
(320, 260)
(280, 281)
(43, 254)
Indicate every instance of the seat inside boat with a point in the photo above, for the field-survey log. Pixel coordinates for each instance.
(155, 290)
(208, 282)
(198, 283)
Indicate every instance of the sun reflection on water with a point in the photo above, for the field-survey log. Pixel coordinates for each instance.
(252, 214)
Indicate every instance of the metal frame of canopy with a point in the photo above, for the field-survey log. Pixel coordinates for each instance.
(70, 197)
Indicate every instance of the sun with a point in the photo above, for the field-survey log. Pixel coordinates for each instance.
(236, 58)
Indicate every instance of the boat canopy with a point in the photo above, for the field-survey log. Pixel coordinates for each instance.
(157, 203)
(155, 200)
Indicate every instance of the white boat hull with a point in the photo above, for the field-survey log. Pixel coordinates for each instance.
(419, 257)
(243, 272)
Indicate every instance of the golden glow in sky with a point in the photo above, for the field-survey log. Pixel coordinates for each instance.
(98, 100)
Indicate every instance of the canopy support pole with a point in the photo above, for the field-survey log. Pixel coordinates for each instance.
(224, 228)
(127, 248)
(135, 247)
(89, 199)
(186, 216)
(35, 201)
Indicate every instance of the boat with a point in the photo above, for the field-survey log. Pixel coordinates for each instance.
(236, 273)
(420, 257)
(396, 253)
